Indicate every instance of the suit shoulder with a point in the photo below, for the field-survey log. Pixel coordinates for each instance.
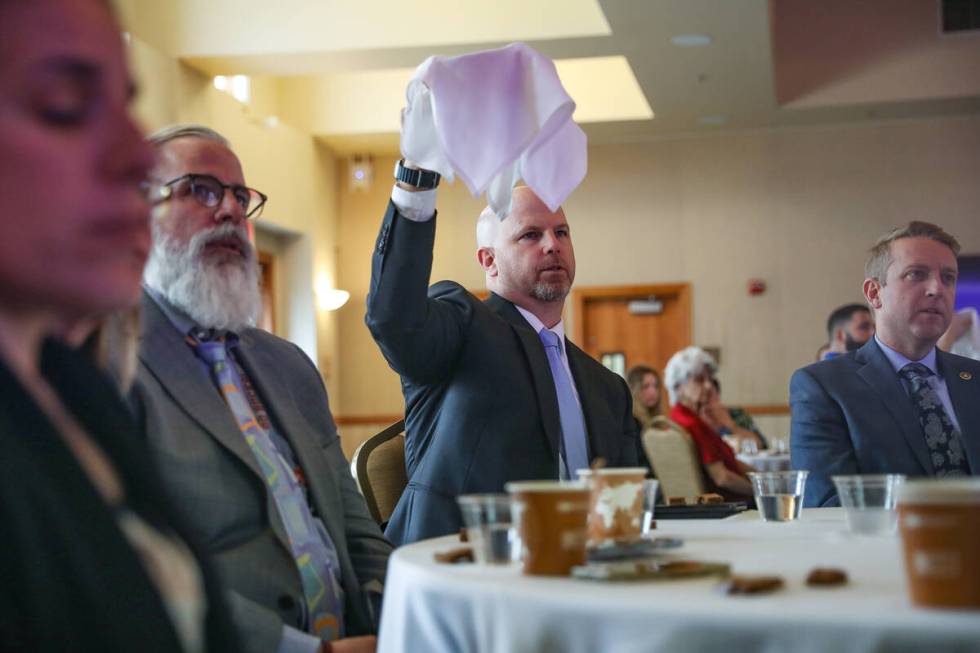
(829, 368)
(450, 290)
(961, 363)
(272, 342)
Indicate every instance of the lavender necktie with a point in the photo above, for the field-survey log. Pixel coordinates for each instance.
(574, 444)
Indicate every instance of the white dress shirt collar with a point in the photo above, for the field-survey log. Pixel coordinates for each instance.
(537, 325)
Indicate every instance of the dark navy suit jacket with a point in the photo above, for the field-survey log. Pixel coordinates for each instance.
(851, 415)
(480, 402)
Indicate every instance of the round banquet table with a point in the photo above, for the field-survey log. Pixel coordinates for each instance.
(458, 608)
(766, 462)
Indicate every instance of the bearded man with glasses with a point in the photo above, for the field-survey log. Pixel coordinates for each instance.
(239, 419)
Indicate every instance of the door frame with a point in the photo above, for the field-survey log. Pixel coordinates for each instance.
(581, 296)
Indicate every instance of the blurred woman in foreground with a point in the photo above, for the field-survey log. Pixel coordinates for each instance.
(91, 558)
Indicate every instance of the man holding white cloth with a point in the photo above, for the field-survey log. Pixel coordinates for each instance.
(494, 392)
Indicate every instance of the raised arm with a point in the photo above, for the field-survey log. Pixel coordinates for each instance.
(420, 336)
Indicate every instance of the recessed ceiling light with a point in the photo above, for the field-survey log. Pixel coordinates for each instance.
(690, 40)
(713, 120)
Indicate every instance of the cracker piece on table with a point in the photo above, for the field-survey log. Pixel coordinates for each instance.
(454, 556)
(752, 584)
(710, 497)
(826, 577)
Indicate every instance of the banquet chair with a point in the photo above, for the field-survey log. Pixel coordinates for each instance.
(674, 458)
(378, 466)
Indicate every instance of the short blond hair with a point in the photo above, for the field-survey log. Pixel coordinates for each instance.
(880, 255)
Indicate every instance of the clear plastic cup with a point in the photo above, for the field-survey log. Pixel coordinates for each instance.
(869, 502)
(779, 495)
(489, 526)
(650, 487)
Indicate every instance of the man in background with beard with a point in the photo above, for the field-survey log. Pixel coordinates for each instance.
(494, 392)
(848, 328)
(239, 421)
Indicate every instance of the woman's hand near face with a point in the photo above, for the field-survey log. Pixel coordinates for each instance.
(713, 412)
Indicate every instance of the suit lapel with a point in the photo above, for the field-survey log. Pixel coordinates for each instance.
(166, 354)
(590, 398)
(880, 376)
(544, 384)
(964, 393)
(265, 372)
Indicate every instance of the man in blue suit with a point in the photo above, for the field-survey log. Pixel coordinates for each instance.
(898, 404)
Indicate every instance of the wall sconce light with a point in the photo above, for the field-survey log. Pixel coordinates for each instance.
(332, 299)
(361, 172)
(329, 298)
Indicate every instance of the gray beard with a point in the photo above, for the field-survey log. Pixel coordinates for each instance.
(550, 292)
(215, 295)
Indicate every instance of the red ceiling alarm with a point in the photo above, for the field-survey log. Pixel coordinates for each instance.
(756, 287)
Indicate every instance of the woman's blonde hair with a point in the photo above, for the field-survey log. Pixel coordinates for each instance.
(114, 345)
(634, 378)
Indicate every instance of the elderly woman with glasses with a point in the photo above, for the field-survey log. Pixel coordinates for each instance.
(92, 557)
(688, 378)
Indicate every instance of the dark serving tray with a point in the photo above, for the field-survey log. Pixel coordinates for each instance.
(700, 511)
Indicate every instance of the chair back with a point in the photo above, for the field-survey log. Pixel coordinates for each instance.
(674, 459)
(378, 466)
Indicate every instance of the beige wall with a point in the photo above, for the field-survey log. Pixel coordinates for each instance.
(286, 163)
(797, 208)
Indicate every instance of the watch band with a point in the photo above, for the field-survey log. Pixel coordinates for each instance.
(422, 179)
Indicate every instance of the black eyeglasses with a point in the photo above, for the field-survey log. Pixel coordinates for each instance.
(209, 191)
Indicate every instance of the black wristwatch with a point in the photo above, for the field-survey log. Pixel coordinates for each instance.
(421, 179)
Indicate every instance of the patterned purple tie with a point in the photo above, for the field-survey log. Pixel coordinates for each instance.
(574, 443)
(942, 438)
(313, 554)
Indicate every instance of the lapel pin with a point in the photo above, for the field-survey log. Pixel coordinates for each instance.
(966, 376)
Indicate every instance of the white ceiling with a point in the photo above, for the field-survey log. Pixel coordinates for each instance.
(341, 66)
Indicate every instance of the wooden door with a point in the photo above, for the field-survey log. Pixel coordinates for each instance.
(604, 323)
(267, 286)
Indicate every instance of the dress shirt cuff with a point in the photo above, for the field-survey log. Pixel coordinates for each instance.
(296, 641)
(417, 206)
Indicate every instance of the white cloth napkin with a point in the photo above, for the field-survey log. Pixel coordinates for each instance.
(969, 343)
(493, 118)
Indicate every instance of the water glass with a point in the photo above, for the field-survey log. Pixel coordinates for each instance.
(778, 495)
(869, 502)
(489, 526)
(650, 487)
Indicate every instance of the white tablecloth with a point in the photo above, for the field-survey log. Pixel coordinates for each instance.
(767, 462)
(435, 607)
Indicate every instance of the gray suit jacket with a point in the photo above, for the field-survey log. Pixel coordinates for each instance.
(480, 402)
(214, 477)
(851, 415)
